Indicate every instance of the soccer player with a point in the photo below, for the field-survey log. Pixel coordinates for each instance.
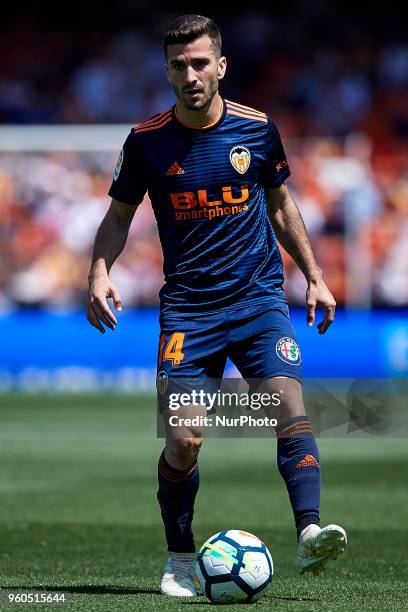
(215, 172)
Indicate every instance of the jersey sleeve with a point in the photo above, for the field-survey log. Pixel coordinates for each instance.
(129, 178)
(275, 169)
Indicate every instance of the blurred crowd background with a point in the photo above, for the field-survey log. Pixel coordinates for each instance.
(335, 82)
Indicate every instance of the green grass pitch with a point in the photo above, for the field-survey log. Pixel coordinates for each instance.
(78, 510)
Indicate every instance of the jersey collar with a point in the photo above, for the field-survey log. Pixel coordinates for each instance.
(207, 128)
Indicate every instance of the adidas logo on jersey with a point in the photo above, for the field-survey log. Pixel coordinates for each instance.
(175, 169)
(308, 461)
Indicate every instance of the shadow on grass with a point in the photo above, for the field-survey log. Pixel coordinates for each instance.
(270, 597)
(98, 589)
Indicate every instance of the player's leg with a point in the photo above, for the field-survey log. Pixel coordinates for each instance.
(270, 355)
(178, 471)
(179, 479)
(299, 465)
(297, 452)
(178, 476)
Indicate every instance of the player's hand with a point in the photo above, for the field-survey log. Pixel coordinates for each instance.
(318, 294)
(97, 309)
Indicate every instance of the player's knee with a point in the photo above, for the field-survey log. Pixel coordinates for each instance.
(290, 395)
(186, 449)
(290, 410)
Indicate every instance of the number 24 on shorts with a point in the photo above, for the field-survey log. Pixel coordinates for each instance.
(173, 350)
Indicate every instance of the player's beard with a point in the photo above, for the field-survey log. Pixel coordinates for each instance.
(208, 92)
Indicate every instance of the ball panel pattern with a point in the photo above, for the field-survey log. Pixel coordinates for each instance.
(234, 566)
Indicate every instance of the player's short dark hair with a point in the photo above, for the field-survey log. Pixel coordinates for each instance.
(187, 28)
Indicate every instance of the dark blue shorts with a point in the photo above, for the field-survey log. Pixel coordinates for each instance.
(261, 345)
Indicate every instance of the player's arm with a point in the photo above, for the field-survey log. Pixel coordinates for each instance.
(109, 243)
(291, 232)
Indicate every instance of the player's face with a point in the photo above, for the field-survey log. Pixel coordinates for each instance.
(194, 71)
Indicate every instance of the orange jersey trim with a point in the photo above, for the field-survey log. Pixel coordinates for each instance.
(244, 109)
(156, 126)
(154, 120)
(252, 117)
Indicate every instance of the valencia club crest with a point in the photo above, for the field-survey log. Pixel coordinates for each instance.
(240, 158)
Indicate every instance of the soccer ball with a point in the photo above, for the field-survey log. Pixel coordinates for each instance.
(234, 566)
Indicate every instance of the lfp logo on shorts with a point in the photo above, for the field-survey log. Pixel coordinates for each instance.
(162, 382)
(288, 350)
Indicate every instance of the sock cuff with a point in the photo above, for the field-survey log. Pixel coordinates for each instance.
(183, 556)
(173, 474)
(296, 427)
(305, 520)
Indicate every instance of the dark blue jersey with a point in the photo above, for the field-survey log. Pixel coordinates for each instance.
(207, 188)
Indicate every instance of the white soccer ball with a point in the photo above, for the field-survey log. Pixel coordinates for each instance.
(234, 566)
